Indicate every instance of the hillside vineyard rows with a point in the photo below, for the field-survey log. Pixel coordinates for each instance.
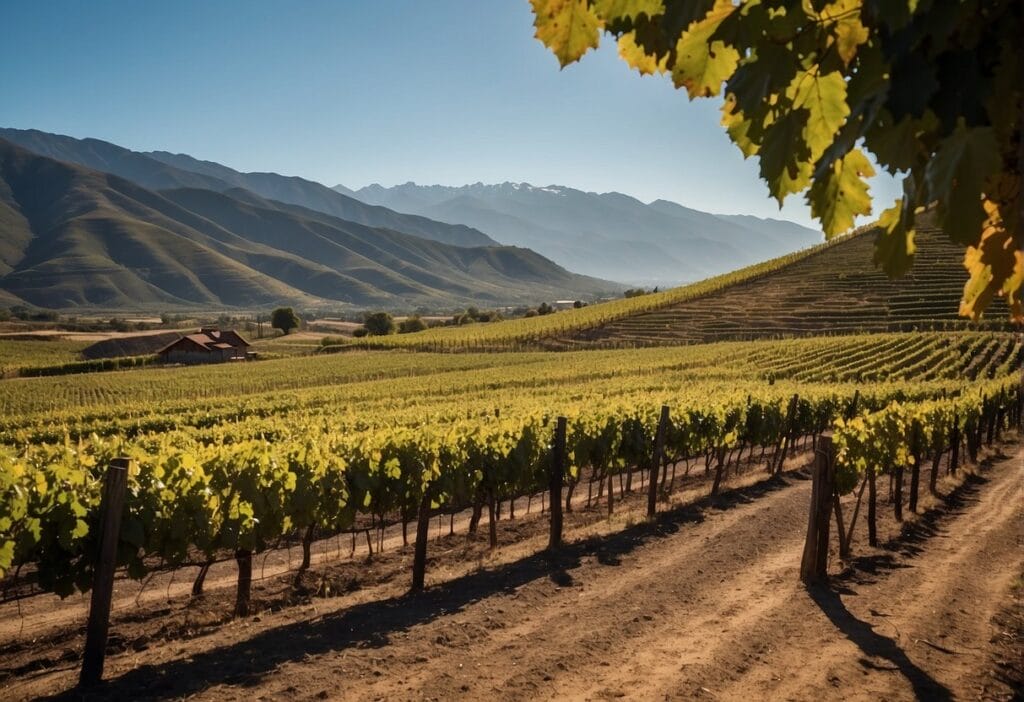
(314, 446)
(826, 289)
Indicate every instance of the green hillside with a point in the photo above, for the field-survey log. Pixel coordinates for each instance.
(163, 171)
(829, 289)
(74, 237)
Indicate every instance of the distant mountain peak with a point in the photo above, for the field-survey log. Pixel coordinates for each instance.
(609, 235)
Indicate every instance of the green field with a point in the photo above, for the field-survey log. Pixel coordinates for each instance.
(19, 353)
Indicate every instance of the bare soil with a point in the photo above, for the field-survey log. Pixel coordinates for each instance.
(702, 603)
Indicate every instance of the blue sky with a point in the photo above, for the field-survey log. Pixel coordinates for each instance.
(356, 92)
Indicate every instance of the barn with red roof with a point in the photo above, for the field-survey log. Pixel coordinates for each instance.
(208, 346)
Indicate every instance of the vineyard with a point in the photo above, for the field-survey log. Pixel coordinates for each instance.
(320, 446)
(829, 289)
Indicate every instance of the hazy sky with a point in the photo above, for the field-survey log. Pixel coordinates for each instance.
(356, 92)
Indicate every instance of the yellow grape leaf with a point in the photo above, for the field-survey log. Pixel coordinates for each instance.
(568, 27)
(849, 31)
(996, 266)
(636, 57)
(611, 10)
(842, 194)
(824, 98)
(738, 126)
(894, 244)
(703, 64)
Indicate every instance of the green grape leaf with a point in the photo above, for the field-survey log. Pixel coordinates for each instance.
(703, 63)
(568, 27)
(839, 196)
(912, 82)
(785, 156)
(955, 178)
(769, 71)
(894, 242)
(894, 14)
(897, 146)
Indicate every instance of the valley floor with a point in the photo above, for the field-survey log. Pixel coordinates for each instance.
(703, 605)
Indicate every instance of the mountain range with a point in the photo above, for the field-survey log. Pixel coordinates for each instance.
(608, 235)
(159, 170)
(145, 234)
(87, 223)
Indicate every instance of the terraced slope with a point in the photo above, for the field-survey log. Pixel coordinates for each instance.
(834, 290)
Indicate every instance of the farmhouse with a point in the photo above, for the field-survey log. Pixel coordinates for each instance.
(208, 346)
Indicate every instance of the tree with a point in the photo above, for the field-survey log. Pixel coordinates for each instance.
(932, 89)
(285, 319)
(411, 324)
(379, 324)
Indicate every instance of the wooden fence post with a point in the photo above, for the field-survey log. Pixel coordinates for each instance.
(419, 559)
(111, 508)
(1020, 403)
(556, 478)
(954, 441)
(814, 564)
(659, 451)
(787, 437)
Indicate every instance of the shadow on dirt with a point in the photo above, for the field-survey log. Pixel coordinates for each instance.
(876, 645)
(914, 534)
(899, 553)
(372, 624)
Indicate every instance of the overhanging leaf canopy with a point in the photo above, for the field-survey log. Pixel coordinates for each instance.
(931, 89)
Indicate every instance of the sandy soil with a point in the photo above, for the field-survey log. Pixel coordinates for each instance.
(702, 604)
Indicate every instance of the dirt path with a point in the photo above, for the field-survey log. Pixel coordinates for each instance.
(702, 605)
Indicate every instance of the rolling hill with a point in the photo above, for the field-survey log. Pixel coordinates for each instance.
(607, 235)
(837, 290)
(832, 288)
(161, 171)
(77, 237)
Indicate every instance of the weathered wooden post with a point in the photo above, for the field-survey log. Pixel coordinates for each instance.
(556, 478)
(825, 454)
(1020, 403)
(954, 441)
(659, 452)
(111, 508)
(787, 437)
(814, 564)
(243, 590)
(419, 559)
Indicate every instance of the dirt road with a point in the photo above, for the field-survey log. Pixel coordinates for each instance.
(703, 605)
